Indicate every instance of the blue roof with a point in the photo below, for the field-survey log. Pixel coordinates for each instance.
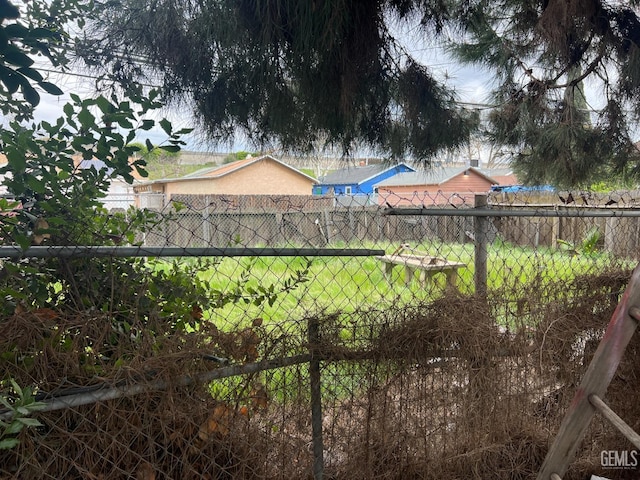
(359, 174)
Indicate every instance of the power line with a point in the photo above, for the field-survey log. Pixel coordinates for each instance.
(461, 103)
(85, 75)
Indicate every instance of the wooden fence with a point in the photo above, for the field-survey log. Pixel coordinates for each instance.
(318, 223)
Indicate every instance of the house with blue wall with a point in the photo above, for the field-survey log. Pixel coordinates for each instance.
(357, 180)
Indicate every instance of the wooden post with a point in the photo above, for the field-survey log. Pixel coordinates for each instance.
(328, 226)
(615, 420)
(280, 235)
(352, 229)
(480, 234)
(316, 400)
(595, 382)
(610, 238)
(555, 231)
(206, 221)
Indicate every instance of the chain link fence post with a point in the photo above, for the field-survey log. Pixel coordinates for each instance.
(316, 400)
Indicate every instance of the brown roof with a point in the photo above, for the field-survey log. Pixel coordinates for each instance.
(216, 172)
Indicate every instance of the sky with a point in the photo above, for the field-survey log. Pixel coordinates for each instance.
(471, 88)
(471, 85)
(82, 84)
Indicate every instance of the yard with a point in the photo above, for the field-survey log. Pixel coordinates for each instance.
(348, 284)
(284, 363)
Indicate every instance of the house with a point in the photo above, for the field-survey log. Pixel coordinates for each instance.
(252, 176)
(358, 180)
(119, 194)
(504, 176)
(440, 186)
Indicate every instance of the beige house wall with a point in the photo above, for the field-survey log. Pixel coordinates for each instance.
(195, 186)
(264, 177)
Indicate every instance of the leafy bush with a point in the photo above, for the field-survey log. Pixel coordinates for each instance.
(92, 315)
(21, 407)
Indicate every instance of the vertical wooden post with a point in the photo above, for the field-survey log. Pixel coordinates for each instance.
(352, 229)
(610, 237)
(601, 370)
(280, 234)
(555, 231)
(316, 400)
(328, 226)
(480, 234)
(206, 222)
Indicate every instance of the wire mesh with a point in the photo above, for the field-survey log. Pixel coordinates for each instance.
(153, 368)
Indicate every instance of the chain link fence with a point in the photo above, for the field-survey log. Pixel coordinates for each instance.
(300, 337)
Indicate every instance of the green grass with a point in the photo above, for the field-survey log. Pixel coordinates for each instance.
(309, 171)
(167, 169)
(340, 284)
(349, 284)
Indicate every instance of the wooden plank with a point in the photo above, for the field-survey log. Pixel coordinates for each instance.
(615, 420)
(595, 382)
(425, 264)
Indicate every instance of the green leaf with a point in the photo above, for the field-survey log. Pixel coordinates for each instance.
(147, 124)
(149, 145)
(104, 105)
(35, 184)
(86, 118)
(68, 109)
(17, 30)
(29, 422)
(166, 126)
(4, 39)
(30, 94)
(16, 387)
(125, 123)
(10, 79)
(50, 88)
(43, 33)
(31, 73)
(5, 402)
(8, 10)
(170, 148)
(8, 443)
(14, 427)
(14, 56)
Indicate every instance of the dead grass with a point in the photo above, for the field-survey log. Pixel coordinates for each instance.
(430, 391)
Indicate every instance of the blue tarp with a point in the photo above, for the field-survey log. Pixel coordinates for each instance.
(522, 188)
